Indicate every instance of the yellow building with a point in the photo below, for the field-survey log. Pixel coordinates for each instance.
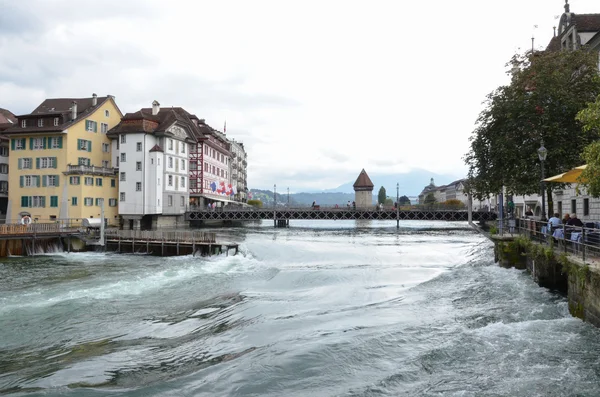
(60, 161)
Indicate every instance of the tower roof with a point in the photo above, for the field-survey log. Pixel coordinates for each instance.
(363, 182)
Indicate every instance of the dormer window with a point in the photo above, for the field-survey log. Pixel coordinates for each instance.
(40, 122)
(106, 113)
(56, 121)
(23, 123)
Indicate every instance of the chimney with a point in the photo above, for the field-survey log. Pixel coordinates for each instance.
(202, 121)
(73, 110)
(94, 99)
(155, 108)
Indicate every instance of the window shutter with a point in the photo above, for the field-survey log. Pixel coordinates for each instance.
(43, 201)
(12, 144)
(37, 163)
(38, 180)
(30, 143)
(70, 180)
(90, 145)
(95, 126)
(21, 181)
(44, 142)
(57, 180)
(24, 201)
(55, 162)
(20, 163)
(44, 177)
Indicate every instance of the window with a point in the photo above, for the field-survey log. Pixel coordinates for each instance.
(24, 163)
(3, 168)
(176, 146)
(112, 202)
(586, 207)
(170, 180)
(105, 147)
(84, 161)
(123, 138)
(138, 146)
(55, 142)
(88, 201)
(82, 144)
(99, 202)
(29, 181)
(117, 162)
(106, 113)
(117, 145)
(40, 122)
(206, 166)
(206, 150)
(98, 181)
(36, 143)
(53, 201)
(105, 163)
(45, 162)
(122, 196)
(170, 200)
(3, 151)
(73, 201)
(74, 180)
(138, 165)
(18, 144)
(151, 161)
(138, 186)
(182, 165)
(573, 206)
(56, 121)
(33, 201)
(123, 157)
(51, 180)
(23, 123)
(182, 181)
(122, 177)
(89, 181)
(183, 145)
(158, 161)
(158, 202)
(170, 144)
(113, 183)
(91, 126)
(103, 128)
(170, 162)
(182, 201)
(176, 182)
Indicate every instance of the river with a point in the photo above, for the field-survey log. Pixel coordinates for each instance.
(318, 309)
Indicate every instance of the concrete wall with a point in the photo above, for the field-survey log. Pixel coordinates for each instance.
(363, 199)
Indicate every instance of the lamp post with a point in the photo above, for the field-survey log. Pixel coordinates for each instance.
(542, 153)
(397, 205)
(288, 197)
(274, 195)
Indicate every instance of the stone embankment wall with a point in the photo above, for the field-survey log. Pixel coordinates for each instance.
(554, 270)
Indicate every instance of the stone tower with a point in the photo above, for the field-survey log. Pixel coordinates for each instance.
(363, 191)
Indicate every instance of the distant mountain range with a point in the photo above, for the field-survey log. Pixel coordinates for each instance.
(411, 184)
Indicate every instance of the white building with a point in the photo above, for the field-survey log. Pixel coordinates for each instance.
(238, 168)
(151, 149)
(7, 120)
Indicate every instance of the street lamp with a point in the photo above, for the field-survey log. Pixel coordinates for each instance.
(397, 205)
(397, 194)
(288, 197)
(274, 195)
(542, 153)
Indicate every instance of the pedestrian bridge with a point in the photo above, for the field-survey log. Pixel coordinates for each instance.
(304, 213)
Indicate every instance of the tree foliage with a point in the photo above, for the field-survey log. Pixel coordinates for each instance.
(255, 203)
(590, 118)
(404, 200)
(540, 105)
(429, 199)
(381, 196)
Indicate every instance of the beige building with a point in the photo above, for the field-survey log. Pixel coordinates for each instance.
(363, 191)
(60, 161)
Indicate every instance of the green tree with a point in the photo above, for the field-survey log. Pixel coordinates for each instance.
(388, 202)
(404, 200)
(590, 118)
(255, 203)
(540, 104)
(381, 196)
(429, 199)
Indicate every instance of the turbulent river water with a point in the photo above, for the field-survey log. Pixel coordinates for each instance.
(319, 309)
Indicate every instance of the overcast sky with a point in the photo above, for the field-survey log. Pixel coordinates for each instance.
(316, 90)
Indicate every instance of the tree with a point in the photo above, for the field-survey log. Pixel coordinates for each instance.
(590, 118)
(255, 203)
(540, 104)
(381, 196)
(429, 199)
(404, 201)
(388, 202)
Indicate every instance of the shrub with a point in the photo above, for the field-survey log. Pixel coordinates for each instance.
(255, 203)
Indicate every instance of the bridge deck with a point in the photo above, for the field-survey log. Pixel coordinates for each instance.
(335, 214)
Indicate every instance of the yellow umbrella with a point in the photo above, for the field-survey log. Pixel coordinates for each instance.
(571, 176)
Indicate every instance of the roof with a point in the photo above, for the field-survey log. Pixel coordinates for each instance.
(59, 107)
(7, 119)
(144, 121)
(587, 22)
(554, 44)
(156, 148)
(363, 181)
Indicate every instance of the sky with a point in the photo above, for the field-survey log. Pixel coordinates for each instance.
(316, 90)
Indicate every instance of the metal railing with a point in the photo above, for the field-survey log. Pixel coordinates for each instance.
(282, 206)
(161, 235)
(581, 241)
(90, 169)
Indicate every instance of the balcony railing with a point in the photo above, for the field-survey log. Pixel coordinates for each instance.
(90, 169)
(234, 166)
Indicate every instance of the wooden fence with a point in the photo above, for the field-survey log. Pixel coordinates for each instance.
(161, 235)
(35, 228)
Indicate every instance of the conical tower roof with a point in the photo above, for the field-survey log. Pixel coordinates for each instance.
(363, 182)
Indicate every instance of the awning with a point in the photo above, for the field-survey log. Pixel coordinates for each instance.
(571, 176)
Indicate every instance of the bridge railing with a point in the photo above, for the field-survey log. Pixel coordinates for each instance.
(324, 208)
(162, 235)
(34, 228)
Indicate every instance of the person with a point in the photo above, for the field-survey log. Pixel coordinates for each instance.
(348, 205)
(566, 219)
(554, 222)
(354, 205)
(574, 221)
(529, 212)
(395, 204)
(313, 205)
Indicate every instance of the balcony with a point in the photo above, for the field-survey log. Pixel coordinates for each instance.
(233, 155)
(234, 166)
(90, 170)
(234, 175)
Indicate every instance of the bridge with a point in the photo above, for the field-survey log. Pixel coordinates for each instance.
(283, 215)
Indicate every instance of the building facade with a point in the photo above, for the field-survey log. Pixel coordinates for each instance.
(239, 172)
(60, 160)
(151, 148)
(7, 120)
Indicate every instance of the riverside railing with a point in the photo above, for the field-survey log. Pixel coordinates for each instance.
(580, 241)
(162, 235)
(344, 207)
